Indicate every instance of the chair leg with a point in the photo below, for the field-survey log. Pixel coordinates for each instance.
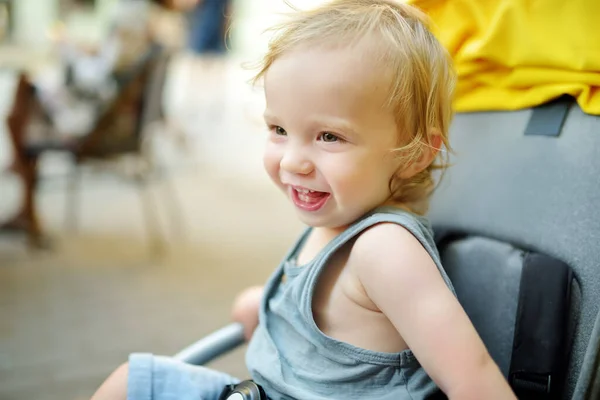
(72, 200)
(151, 166)
(173, 207)
(169, 195)
(150, 211)
(36, 237)
(26, 219)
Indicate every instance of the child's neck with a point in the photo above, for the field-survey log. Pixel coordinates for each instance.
(396, 204)
(327, 232)
(317, 239)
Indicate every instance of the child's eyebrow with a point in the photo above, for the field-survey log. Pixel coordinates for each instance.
(337, 124)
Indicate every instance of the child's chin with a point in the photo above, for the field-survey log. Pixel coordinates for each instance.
(311, 219)
(321, 221)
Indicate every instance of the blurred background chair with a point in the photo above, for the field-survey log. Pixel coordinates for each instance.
(125, 149)
(117, 143)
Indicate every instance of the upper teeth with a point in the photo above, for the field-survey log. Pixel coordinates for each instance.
(305, 190)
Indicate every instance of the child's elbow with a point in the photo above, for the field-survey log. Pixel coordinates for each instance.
(483, 382)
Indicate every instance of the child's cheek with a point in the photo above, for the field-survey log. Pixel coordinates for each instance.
(271, 162)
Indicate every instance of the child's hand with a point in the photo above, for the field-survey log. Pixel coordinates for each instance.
(245, 309)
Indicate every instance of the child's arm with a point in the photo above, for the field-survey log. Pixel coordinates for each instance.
(400, 277)
(245, 309)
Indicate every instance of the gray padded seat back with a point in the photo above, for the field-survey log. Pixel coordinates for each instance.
(525, 327)
(486, 275)
(539, 193)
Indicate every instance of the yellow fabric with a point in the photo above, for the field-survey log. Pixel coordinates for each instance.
(512, 54)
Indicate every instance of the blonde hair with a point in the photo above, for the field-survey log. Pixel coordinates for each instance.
(422, 77)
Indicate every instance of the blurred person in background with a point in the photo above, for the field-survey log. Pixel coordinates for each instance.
(207, 44)
(92, 72)
(209, 23)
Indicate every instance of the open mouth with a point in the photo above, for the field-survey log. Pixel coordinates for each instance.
(309, 200)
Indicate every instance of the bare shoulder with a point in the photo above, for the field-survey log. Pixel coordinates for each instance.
(385, 240)
(388, 252)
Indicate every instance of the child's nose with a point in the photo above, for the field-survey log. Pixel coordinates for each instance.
(295, 163)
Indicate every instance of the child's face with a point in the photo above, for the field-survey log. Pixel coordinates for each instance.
(330, 133)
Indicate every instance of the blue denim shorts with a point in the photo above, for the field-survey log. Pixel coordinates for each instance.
(163, 378)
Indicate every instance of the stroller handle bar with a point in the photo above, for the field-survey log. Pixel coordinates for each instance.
(214, 345)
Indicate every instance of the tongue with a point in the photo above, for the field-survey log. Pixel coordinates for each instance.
(315, 195)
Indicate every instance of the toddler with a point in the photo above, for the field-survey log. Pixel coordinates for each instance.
(358, 97)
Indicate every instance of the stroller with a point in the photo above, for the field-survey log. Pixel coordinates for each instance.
(516, 220)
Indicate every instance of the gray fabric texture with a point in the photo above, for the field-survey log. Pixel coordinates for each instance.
(588, 387)
(486, 275)
(541, 193)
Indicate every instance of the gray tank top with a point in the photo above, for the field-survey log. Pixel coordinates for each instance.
(292, 359)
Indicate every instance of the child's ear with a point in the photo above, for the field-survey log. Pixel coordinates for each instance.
(428, 153)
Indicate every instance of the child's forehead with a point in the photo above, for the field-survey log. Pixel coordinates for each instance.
(331, 85)
(337, 67)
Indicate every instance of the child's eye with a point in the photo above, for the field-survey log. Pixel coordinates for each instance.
(329, 137)
(279, 131)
